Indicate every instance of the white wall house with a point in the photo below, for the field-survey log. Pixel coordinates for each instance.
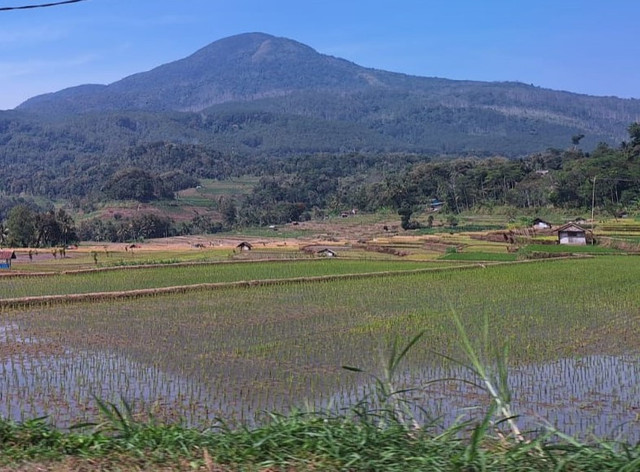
(571, 233)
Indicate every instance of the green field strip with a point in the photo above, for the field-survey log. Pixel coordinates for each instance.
(29, 301)
(154, 276)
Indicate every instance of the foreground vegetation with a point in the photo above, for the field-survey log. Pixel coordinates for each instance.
(302, 442)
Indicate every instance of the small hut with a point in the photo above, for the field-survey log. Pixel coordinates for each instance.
(5, 258)
(541, 224)
(244, 246)
(326, 252)
(571, 233)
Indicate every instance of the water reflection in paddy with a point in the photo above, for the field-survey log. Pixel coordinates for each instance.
(589, 395)
(597, 395)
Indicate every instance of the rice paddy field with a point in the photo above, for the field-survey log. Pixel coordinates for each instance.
(141, 277)
(572, 328)
(83, 259)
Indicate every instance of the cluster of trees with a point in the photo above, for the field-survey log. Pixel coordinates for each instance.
(72, 155)
(25, 227)
(147, 225)
(80, 172)
(121, 229)
(138, 184)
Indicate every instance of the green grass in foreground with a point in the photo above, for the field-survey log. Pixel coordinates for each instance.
(301, 442)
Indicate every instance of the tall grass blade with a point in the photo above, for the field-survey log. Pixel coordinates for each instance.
(497, 388)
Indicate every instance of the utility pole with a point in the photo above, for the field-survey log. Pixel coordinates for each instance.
(593, 206)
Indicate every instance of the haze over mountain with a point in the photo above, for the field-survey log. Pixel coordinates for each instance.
(256, 93)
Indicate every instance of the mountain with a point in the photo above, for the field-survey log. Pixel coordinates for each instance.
(240, 68)
(259, 94)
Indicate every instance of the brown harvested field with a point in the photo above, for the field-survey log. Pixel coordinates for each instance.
(364, 233)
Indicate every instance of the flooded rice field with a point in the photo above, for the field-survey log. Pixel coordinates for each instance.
(573, 338)
(593, 395)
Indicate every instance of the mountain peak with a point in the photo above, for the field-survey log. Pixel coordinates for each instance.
(251, 48)
(248, 43)
(238, 68)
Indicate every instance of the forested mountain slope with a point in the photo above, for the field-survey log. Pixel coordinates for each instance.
(259, 94)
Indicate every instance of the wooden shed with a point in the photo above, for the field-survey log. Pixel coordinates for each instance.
(571, 233)
(244, 246)
(541, 224)
(326, 252)
(5, 258)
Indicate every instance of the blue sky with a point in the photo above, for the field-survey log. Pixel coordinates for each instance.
(584, 46)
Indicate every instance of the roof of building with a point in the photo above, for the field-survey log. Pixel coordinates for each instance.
(571, 227)
(7, 254)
